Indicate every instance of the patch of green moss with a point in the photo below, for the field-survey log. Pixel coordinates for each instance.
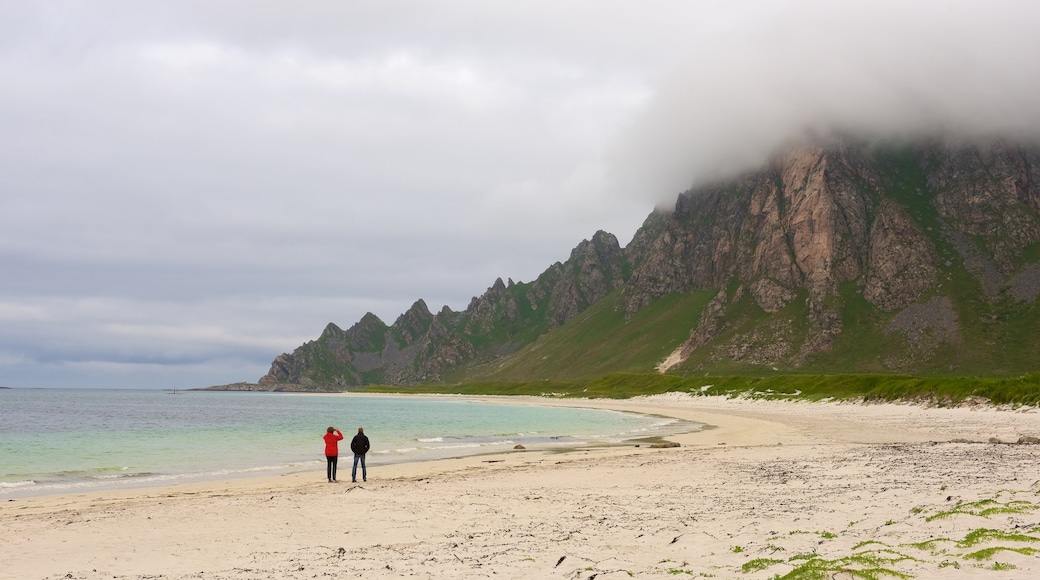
(985, 508)
(869, 565)
(759, 564)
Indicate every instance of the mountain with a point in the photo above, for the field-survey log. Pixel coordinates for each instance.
(837, 256)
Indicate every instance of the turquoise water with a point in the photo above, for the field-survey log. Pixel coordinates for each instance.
(68, 440)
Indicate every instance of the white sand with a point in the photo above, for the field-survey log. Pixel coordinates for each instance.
(775, 486)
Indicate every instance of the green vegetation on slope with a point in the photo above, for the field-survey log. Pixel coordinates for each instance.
(1015, 391)
(749, 329)
(599, 341)
(996, 335)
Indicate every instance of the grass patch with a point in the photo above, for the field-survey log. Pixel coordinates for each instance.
(600, 340)
(870, 565)
(976, 537)
(1010, 391)
(873, 559)
(798, 557)
(868, 543)
(985, 508)
(759, 564)
(988, 553)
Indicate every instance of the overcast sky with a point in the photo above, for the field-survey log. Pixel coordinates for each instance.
(190, 188)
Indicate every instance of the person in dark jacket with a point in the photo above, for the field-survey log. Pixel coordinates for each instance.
(332, 439)
(359, 445)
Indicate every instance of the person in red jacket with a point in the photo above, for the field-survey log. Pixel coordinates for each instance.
(332, 439)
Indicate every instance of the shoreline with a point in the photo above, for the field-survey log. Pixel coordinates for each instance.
(247, 478)
(254, 448)
(775, 479)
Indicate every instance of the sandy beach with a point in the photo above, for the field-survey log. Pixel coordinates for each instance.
(772, 489)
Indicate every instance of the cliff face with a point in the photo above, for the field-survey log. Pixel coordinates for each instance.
(818, 219)
(909, 233)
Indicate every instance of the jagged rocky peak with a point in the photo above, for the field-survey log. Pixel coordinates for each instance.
(598, 261)
(485, 309)
(368, 334)
(331, 330)
(494, 291)
(411, 325)
(595, 268)
(367, 321)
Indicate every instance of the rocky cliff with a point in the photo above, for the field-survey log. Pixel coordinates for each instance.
(899, 224)
(925, 244)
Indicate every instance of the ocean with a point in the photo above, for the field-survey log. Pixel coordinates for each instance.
(72, 440)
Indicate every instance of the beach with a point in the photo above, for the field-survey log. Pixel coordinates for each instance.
(772, 488)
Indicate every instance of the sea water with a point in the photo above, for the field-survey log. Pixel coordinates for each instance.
(72, 440)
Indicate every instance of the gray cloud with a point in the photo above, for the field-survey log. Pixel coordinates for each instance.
(878, 69)
(191, 188)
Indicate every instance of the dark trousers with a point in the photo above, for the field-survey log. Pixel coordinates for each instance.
(332, 460)
(364, 472)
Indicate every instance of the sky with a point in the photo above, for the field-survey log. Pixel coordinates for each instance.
(190, 188)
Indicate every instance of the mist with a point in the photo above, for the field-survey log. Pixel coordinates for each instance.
(873, 69)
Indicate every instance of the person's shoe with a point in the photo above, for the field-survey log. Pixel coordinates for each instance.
(366, 479)
(330, 481)
(353, 481)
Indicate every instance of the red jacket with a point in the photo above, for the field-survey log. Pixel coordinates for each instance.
(332, 443)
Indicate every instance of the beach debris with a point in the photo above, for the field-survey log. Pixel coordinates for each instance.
(560, 561)
(665, 445)
(519, 447)
(1028, 440)
(995, 440)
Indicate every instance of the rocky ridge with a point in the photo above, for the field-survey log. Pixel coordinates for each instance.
(904, 227)
(421, 347)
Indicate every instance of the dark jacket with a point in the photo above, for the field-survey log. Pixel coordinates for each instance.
(359, 444)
